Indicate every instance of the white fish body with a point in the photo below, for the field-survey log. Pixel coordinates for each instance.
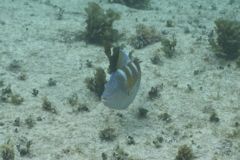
(121, 89)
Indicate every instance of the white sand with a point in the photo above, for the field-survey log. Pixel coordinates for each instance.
(31, 34)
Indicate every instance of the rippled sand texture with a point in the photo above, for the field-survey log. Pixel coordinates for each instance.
(38, 42)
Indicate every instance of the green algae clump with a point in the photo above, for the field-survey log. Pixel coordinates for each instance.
(169, 46)
(99, 29)
(227, 42)
(7, 151)
(145, 36)
(184, 153)
(96, 83)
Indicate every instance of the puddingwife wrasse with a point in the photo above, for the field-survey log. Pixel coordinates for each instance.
(125, 78)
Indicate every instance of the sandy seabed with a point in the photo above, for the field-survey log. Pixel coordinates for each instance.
(33, 34)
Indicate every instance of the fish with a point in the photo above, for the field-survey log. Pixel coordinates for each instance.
(125, 77)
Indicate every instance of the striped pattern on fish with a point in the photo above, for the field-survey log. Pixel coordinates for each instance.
(121, 89)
